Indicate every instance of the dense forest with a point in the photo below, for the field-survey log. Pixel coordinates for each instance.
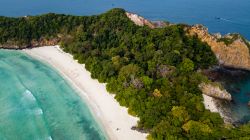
(153, 72)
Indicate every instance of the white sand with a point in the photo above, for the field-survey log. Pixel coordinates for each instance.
(113, 118)
(209, 103)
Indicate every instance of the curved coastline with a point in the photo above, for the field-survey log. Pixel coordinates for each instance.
(117, 126)
(38, 103)
(113, 118)
(236, 82)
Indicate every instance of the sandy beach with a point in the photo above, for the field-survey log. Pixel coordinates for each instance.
(112, 117)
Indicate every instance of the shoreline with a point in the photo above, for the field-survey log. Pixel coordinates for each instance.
(209, 103)
(218, 106)
(113, 119)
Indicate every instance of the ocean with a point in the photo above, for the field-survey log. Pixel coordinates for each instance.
(36, 103)
(224, 16)
(237, 83)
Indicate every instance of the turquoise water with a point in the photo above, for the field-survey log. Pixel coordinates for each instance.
(224, 16)
(240, 91)
(36, 103)
(30, 100)
(237, 83)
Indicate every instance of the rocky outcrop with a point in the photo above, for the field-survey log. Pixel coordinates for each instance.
(33, 43)
(220, 106)
(231, 50)
(140, 21)
(215, 91)
(225, 111)
(218, 100)
(11, 46)
(45, 42)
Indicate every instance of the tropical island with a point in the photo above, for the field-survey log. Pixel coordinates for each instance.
(155, 69)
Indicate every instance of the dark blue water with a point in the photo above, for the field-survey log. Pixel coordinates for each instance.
(234, 15)
(224, 16)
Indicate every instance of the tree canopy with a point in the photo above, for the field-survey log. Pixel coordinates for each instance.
(153, 72)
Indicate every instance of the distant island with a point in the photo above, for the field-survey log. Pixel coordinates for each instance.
(155, 69)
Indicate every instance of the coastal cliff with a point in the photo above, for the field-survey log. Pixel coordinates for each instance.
(134, 63)
(217, 99)
(231, 50)
(140, 21)
(215, 91)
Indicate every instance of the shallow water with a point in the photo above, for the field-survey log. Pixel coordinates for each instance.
(224, 16)
(36, 103)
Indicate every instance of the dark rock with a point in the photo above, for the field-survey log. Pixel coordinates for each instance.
(139, 129)
(248, 104)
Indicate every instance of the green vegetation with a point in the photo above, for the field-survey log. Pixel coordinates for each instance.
(246, 42)
(153, 72)
(229, 39)
(232, 37)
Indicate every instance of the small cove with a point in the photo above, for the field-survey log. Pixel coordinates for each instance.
(237, 83)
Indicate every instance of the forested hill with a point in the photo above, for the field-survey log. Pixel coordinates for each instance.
(30, 31)
(153, 72)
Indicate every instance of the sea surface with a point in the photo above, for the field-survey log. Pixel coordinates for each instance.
(237, 83)
(36, 103)
(224, 16)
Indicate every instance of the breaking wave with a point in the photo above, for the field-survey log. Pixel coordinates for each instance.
(38, 111)
(28, 95)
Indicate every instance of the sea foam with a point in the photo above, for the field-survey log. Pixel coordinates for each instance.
(38, 111)
(28, 95)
